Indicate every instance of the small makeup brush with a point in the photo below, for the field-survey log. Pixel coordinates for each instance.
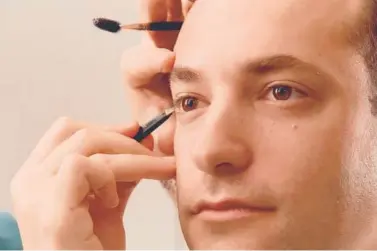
(153, 124)
(114, 26)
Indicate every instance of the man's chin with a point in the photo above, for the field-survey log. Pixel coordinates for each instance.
(230, 242)
(238, 235)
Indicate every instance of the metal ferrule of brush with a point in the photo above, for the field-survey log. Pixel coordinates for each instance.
(155, 26)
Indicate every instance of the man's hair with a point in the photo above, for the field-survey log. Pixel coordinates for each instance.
(366, 36)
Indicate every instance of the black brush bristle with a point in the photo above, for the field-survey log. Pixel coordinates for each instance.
(107, 24)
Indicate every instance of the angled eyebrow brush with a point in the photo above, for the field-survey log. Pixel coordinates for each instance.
(115, 26)
(153, 124)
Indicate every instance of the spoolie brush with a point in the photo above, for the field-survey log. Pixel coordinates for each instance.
(114, 26)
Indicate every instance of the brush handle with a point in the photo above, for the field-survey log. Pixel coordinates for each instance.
(147, 129)
(165, 26)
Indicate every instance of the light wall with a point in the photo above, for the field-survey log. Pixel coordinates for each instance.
(54, 63)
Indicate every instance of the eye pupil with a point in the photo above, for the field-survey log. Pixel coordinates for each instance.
(282, 92)
(189, 104)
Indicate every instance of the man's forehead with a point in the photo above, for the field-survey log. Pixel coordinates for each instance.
(252, 23)
(325, 12)
(219, 37)
(334, 6)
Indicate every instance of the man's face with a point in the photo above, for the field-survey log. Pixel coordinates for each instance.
(273, 129)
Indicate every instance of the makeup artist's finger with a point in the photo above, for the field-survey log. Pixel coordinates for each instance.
(79, 176)
(141, 64)
(87, 142)
(174, 10)
(130, 132)
(148, 142)
(153, 10)
(161, 10)
(157, 10)
(62, 129)
(130, 168)
(186, 6)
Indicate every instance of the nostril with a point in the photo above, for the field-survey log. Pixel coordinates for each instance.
(227, 168)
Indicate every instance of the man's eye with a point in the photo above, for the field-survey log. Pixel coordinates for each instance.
(284, 93)
(186, 103)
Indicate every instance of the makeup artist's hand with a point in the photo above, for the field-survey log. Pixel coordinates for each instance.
(146, 68)
(72, 191)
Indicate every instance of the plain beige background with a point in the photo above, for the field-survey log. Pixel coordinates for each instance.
(55, 63)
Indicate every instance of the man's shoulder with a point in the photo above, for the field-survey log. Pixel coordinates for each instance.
(9, 234)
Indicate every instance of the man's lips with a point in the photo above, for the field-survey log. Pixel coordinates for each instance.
(229, 209)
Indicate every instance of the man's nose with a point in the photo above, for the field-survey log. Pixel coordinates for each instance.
(223, 148)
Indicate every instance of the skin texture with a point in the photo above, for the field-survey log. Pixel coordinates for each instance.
(307, 158)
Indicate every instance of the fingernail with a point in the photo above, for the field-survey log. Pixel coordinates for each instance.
(114, 202)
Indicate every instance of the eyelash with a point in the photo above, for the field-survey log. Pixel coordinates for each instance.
(292, 91)
(178, 102)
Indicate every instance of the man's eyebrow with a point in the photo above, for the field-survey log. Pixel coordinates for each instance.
(260, 66)
(184, 74)
(275, 63)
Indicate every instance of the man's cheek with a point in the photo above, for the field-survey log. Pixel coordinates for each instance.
(180, 153)
(164, 142)
(188, 176)
(184, 142)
